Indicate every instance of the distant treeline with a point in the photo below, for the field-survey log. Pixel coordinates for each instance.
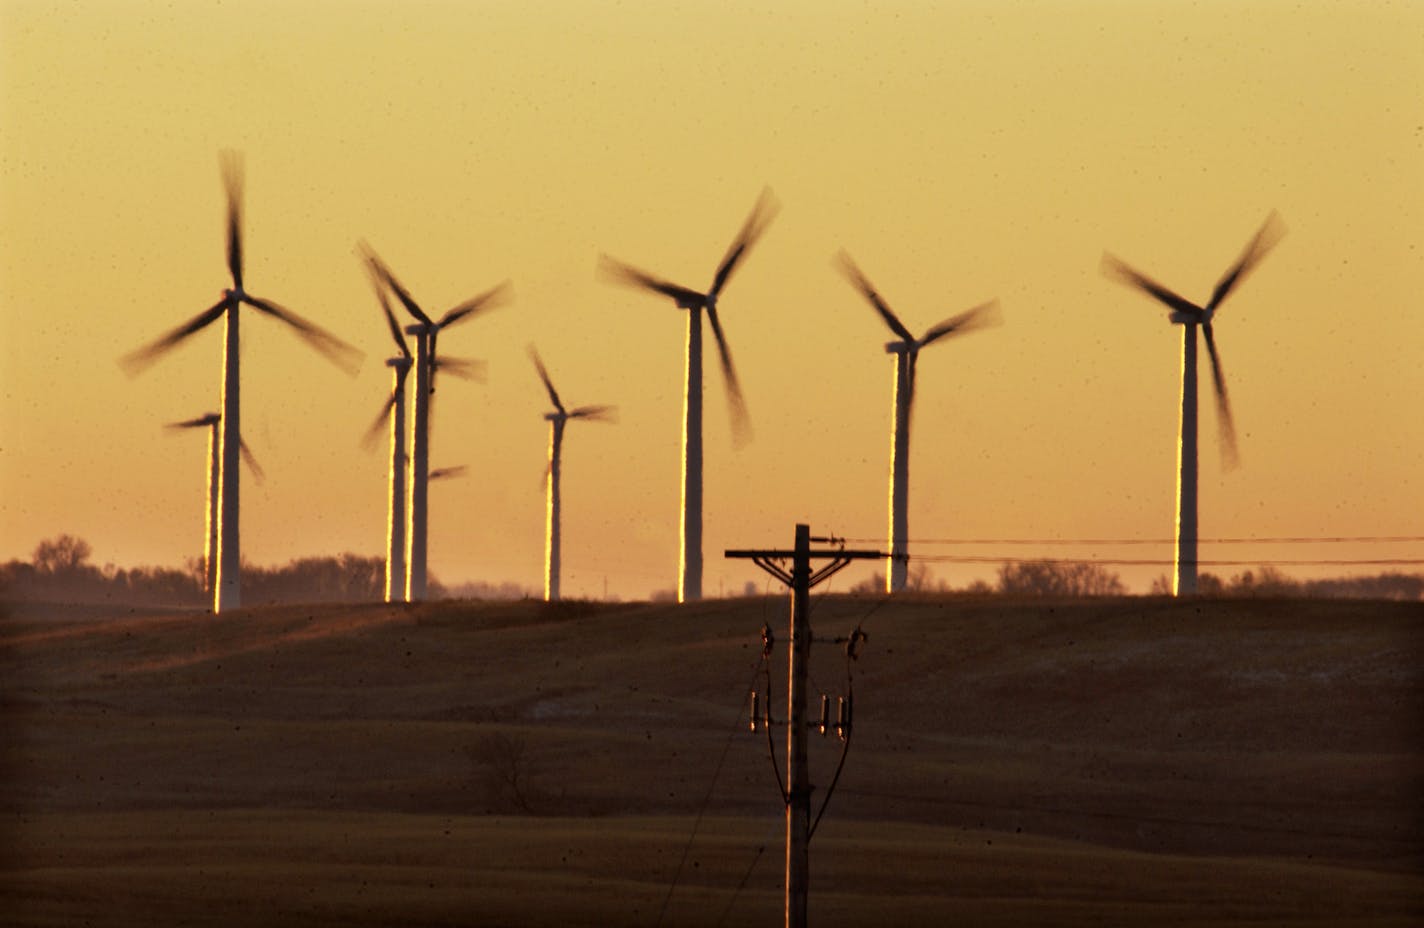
(59, 571)
(1080, 578)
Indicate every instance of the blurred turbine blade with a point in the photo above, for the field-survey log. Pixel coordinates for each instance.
(378, 284)
(595, 413)
(1271, 232)
(337, 351)
(401, 293)
(136, 361)
(763, 211)
(441, 473)
(980, 317)
(464, 368)
(250, 460)
(378, 425)
(1119, 271)
(544, 376)
(861, 283)
(491, 298)
(205, 420)
(741, 421)
(232, 181)
(627, 274)
(1225, 425)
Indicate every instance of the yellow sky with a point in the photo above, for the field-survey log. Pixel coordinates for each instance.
(960, 151)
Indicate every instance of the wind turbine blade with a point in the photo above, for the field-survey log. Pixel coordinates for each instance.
(441, 473)
(250, 460)
(1271, 232)
(741, 422)
(544, 376)
(378, 284)
(1115, 269)
(136, 361)
(763, 211)
(378, 425)
(627, 274)
(487, 300)
(595, 413)
(861, 283)
(199, 422)
(1226, 427)
(980, 317)
(232, 181)
(464, 368)
(337, 351)
(401, 293)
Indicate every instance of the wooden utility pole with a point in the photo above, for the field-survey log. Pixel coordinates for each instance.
(800, 580)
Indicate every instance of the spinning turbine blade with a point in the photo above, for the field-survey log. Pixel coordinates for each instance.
(401, 293)
(232, 181)
(378, 425)
(544, 376)
(464, 368)
(1114, 268)
(487, 300)
(763, 211)
(627, 274)
(201, 421)
(250, 460)
(1226, 427)
(1271, 232)
(442, 472)
(136, 361)
(337, 351)
(376, 283)
(595, 413)
(741, 421)
(980, 317)
(862, 284)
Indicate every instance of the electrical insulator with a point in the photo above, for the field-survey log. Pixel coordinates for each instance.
(843, 717)
(825, 714)
(755, 706)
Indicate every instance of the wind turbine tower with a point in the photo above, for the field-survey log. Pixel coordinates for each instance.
(392, 415)
(228, 583)
(906, 349)
(210, 489)
(1191, 317)
(557, 420)
(689, 579)
(427, 362)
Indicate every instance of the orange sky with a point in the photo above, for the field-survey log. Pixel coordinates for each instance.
(960, 151)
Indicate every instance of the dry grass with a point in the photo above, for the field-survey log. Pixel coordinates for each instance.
(1115, 762)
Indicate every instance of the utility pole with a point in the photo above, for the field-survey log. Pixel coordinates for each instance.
(799, 580)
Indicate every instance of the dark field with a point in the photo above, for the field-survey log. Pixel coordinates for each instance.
(1116, 762)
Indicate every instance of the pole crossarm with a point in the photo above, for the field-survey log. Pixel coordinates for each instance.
(767, 559)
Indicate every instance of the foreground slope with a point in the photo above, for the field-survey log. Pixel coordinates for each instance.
(1119, 761)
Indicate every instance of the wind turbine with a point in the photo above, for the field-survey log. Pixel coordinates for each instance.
(427, 363)
(906, 349)
(210, 509)
(689, 579)
(1191, 316)
(228, 591)
(393, 414)
(557, 420)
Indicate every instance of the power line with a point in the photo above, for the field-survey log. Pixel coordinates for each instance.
(1242, 540)
(1157, 562)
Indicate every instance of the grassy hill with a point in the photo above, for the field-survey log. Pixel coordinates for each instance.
(1125, 761)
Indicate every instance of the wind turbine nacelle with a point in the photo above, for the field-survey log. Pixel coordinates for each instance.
(399, 362)
(554, 417)
(897, 347)
(417, 328)
(1178, 317)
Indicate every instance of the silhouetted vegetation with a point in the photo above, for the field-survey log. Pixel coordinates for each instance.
(1059, 578)
(1269, 581)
